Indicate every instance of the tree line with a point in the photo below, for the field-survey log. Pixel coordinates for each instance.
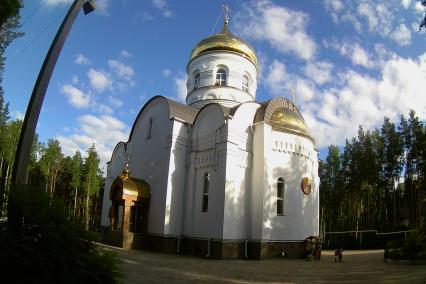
(75, 180)
(377, 180)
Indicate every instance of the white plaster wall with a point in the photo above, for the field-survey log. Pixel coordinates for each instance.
(207, 64)
(224, 95)
(114, 168)
(176, 179)
(292, 157)
(149, 158)
(208, 155)
(239, 149)
(260, 219)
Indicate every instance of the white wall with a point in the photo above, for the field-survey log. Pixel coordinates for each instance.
(114, 168)
(207, 64)
(208, 155)
(239, 158)
(176, 179)
(291, 157)
(260, 220)
(150, 158)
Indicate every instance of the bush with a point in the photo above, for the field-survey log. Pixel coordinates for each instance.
(414, 247)
(50, 248)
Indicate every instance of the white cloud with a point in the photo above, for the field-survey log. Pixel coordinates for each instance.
(121, 70)
(335, 113)
(76, 97)
(104, 130)
(163, 6)
(277, 78)
(419, 8)
(17, 115)
(406, 3)
(375, 17)
(354, 51)
(101, 5)
(99, 79)
(402, 35)
(160, 4)
(166, 72)
(80, 59)
(280, 82)
(180, 87)
(367, 11)
(74, 79)
(319, 71)
(125, 54)
(282, 28)
(58, 2)
(103, 108)
(143, 17)
(335, 5)
(114, 102)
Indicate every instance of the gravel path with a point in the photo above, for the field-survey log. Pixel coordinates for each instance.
(357, 266)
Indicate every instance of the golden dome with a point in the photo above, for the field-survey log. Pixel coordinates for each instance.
(289, 120)
(225, 40)
(283, 116)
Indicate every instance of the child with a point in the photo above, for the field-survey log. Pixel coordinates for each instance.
(336, 254)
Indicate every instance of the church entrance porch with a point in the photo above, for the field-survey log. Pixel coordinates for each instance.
(129, 211)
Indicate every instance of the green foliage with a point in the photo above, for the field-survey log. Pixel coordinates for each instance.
(8, 9)
(51, 163)
(52, 248)
(361, 187)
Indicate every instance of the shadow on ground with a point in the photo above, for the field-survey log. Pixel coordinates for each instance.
(357, 266)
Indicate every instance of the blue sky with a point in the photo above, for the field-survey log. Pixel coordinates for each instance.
(352, 62)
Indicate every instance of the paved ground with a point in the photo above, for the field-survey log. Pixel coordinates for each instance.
(357, 266)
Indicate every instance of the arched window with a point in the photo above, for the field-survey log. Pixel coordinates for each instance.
(221, 77)
(149, 129)
(246, 83)
(280, 196)
(197, 80)
(206, 185)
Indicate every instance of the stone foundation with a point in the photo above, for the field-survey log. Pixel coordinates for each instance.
(213, 248)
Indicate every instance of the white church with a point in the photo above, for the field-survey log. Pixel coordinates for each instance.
(222, 176)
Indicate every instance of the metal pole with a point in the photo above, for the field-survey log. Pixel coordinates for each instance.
(26, 137)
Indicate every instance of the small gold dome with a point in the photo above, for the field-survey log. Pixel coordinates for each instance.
(289, 120)
(225, 40)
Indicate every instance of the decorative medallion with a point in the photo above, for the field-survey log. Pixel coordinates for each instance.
(305, 185)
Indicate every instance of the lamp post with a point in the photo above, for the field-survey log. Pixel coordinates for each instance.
(26, 137)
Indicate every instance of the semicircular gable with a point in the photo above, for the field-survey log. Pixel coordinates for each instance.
(147, 104)
(176, 110)
(205, 110)
(283, 116)
(117, 148)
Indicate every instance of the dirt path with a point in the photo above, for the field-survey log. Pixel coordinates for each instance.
(357, 266)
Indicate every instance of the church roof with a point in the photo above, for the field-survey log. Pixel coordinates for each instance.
(225, 40)
(283, 116)
(181, 111)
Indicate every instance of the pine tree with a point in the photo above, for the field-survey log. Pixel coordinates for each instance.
(92, 181)
(76, 177)
(51, 163)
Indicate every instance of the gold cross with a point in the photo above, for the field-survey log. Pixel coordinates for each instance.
(293, 93)
(226, 12)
